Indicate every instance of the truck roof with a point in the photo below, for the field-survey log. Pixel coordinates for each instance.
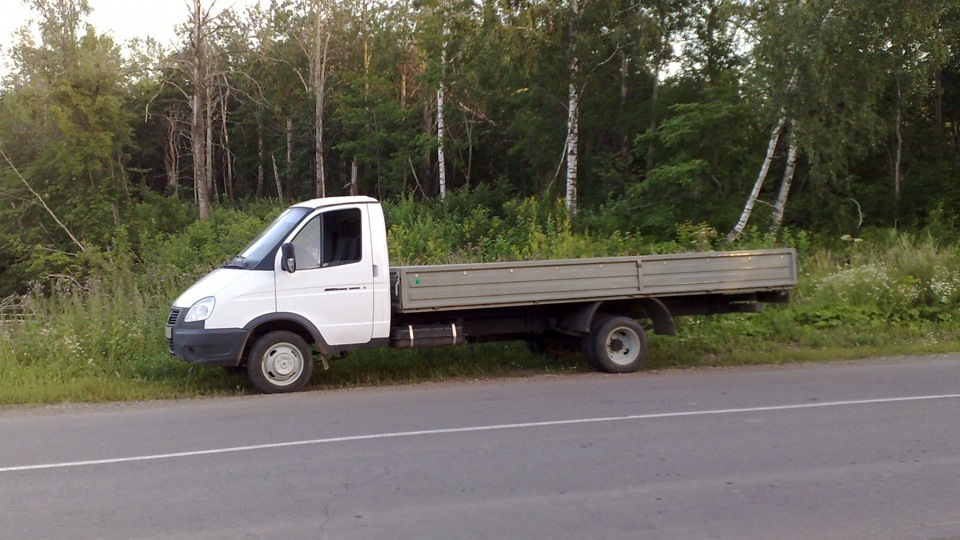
(334, 201)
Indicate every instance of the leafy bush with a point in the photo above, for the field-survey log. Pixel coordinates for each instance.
(202, 245)
(519, 229)
(896, 276)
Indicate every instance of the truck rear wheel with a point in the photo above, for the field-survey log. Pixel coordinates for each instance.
(280, 361)
(616, 345)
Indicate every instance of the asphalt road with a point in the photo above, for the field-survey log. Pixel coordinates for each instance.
(865, 450)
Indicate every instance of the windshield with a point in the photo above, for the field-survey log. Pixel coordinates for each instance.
(267, 242)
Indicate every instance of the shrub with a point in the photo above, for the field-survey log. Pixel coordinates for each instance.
(203, 245)
(896, 274)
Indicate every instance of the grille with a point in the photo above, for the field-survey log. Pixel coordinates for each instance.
(172, 321)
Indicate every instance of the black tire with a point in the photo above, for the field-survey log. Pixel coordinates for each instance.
(616, 345)
(280, 362)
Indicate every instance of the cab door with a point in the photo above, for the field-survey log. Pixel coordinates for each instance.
(332, 285)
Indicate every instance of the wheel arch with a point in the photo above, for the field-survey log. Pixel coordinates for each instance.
(581, 320)
(290, 322)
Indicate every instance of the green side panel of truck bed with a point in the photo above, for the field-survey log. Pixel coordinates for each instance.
(482, 285)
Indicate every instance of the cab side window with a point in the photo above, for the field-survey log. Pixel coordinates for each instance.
(342, 237)
(330, 239)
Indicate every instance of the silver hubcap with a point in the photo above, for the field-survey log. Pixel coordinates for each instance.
(623, 346)
(282, 364)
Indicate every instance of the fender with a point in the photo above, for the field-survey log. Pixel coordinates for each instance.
(659, 313)
(290, 321)
(580, 320)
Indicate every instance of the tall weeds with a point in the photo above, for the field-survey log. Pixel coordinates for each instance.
(449, 231)
(898, 275)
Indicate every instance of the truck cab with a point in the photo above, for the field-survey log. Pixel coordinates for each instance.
(319, 274)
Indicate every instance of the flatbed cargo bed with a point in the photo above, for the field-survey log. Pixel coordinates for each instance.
(486, 285)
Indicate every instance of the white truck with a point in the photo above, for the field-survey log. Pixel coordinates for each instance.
(317, 281)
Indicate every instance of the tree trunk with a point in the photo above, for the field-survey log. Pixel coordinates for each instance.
(208, 149)
(276, 177)
(788, 174)
(353, 177)
(755, 194)
(573, 115)
(197, 128)
(319, 86)
(288, 170)
(441, 158)
(260, 157)
(898, 161)
(171, 154)
(227, 156)
(354, 164)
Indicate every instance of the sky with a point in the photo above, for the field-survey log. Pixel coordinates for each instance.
(122, 19)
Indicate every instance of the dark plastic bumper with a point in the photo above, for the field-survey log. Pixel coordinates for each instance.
(221, 347)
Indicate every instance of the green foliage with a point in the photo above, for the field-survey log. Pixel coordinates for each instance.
(451, 231)
(699, 237)
(755, 238)
(203, 245)
(895, 277)
(704, 157)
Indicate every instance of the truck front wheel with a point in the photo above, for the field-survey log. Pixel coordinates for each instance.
(616, 345)
(280, 361)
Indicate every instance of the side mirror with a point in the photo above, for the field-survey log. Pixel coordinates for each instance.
(288, 258)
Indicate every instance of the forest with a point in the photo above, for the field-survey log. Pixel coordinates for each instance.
(492, 130)
(826, 116)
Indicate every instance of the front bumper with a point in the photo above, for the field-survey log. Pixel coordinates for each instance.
(193, 343)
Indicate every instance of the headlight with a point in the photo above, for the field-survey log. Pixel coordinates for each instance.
(201, 310)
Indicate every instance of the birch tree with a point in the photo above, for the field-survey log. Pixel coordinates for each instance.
(200, 85)
(788, 172)
(573, 111)
(758, 185)
(441, 157)
(318, 70)
(835, 118)
(800, 50)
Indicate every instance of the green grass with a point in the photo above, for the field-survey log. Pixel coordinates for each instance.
(720, 341)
